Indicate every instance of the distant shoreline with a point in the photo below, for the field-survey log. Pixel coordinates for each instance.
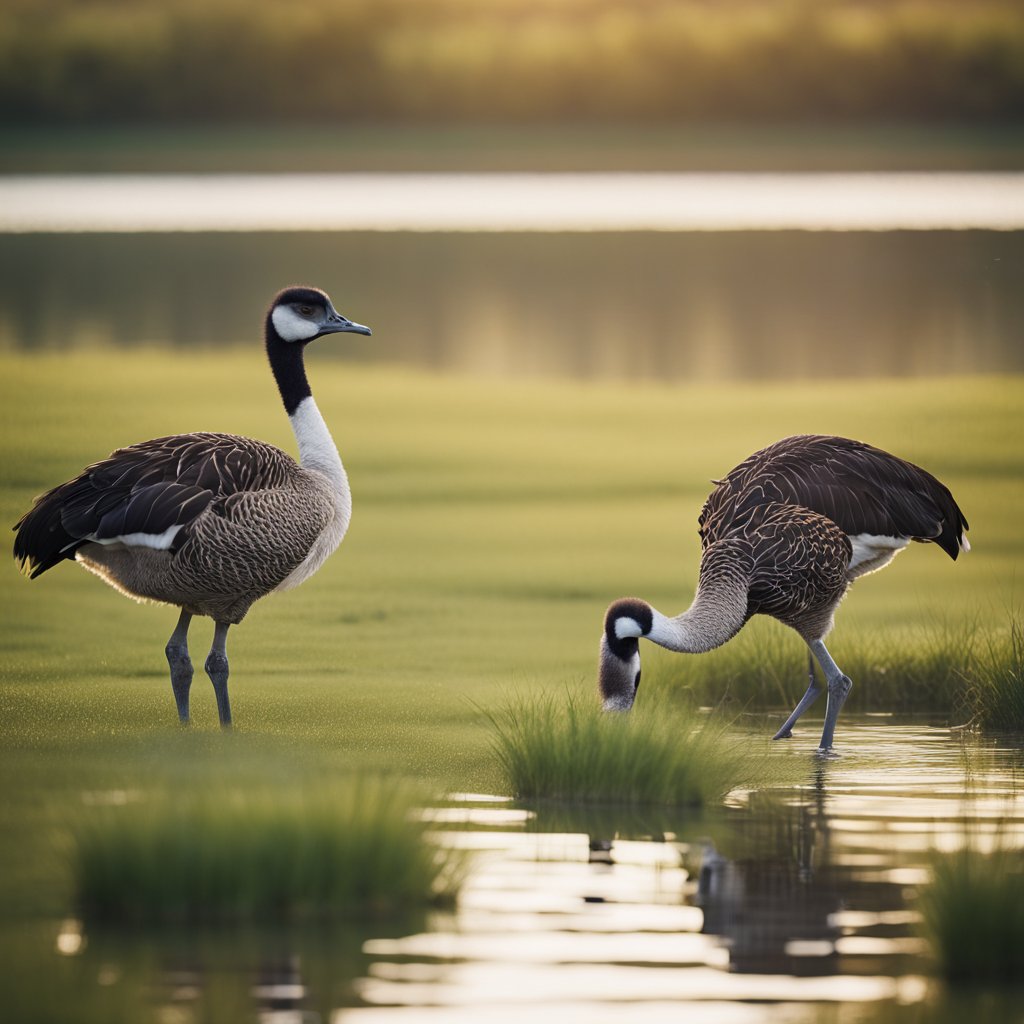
(366, 147)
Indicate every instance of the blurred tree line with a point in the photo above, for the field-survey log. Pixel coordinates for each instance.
(509, 60)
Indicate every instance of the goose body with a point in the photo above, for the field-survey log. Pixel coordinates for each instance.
(784, 534)
(208, 522)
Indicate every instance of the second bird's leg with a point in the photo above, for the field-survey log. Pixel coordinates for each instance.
(217, 670)
(839, 687)
(812, 694)
(180, 663)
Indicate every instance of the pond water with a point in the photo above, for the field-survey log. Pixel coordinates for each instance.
(795, 904)
(606, 305)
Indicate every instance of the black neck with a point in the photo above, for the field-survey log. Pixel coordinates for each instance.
(289, 369)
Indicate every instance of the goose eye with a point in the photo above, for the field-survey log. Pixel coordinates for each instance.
(306, 310)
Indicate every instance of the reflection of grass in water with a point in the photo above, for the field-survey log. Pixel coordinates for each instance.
(567, 748)
(973, 914)
(190, 973)
(222, 854)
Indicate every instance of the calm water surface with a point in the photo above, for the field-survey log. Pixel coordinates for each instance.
(706, 276)
(789, 905)
(612, 305)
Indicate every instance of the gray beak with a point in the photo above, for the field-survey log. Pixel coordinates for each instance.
(337, 324)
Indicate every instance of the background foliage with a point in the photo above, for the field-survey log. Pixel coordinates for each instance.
(509, 60)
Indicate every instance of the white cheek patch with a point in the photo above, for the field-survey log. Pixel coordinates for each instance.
(626, 626)
(292, 327)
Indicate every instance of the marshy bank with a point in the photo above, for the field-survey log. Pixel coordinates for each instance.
(806, 900)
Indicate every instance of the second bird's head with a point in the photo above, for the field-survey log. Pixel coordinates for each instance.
(301, 314)
(618, 674)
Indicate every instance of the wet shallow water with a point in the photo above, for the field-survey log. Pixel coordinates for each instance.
(789, 904)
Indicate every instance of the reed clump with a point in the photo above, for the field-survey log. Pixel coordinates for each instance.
(352, 850)
(960, 669)
(566, 748)
(998, 694)
(973, 915)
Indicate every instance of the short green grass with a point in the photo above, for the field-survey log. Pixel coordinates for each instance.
(314, 853)
(973, 914)
(493, 523)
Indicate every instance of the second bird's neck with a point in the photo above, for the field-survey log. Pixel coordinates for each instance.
(717, 614)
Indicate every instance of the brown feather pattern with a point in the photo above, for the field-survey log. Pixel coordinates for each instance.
(786, 515)
(248, 515)
(860, 488)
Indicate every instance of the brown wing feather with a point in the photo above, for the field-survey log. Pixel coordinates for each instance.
(862, 489)
(146, 488)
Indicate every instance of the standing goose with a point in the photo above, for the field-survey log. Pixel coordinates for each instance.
(785, 534)
(208, 522)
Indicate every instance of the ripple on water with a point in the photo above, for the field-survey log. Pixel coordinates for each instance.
(796, 898)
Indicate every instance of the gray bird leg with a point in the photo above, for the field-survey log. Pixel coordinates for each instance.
(217, 670)
(839, 687)
(812, 694)
(180, 663)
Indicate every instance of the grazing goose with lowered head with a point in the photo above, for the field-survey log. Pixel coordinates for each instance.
(785, 534)
(208, 522)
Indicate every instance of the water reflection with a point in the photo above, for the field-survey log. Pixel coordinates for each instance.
(187, 975)
(794, 904)
(656, 305)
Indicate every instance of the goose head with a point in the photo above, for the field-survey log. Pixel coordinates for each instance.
(618, 677)
(301, 314)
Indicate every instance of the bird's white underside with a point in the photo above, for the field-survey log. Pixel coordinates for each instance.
(872, 551)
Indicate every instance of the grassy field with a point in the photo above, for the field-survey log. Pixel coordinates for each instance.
(493, 523)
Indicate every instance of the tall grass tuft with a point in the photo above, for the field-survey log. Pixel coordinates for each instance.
(999, 692)
(973, 914)
(352, 850)
(567, 748)
(961, 669)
